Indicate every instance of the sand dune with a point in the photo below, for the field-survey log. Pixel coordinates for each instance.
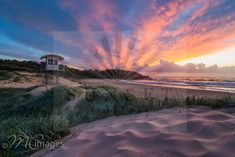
(176, 132)
(32, 79)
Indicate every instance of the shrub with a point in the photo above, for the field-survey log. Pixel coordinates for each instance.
(217, 102)
(49, 128)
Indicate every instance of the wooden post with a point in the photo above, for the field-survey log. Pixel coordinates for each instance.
(46, 77)
(58, 77)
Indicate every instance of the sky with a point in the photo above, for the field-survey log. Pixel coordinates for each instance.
(141, 35)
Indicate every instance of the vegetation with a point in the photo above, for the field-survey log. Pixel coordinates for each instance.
(23, 115)
(108, 74)
(11, 76)
(14, 65)
(6, 75)
(103, 101)
(8, 66)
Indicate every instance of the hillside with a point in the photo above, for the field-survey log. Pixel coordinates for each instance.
(72, 73)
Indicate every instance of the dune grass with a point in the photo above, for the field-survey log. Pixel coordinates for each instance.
(6, 75)
(21, 114)
(103, 101)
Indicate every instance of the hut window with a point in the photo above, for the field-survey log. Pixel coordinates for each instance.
(50, 62)
(55, 62)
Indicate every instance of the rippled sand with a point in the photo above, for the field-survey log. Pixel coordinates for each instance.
(176, 132)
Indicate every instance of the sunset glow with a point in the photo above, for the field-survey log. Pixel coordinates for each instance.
(221, 58)
(129, 34)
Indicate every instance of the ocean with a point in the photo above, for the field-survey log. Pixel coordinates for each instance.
(210, 82)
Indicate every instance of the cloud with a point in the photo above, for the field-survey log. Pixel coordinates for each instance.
(93, 15)
(119, 33)
(194, 37)
(168, 67)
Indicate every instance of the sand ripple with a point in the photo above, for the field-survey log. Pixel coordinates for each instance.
(197, 132)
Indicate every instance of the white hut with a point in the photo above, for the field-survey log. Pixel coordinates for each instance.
(51, 65)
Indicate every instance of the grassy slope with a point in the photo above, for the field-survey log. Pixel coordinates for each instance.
(23, 114)
(20, 113)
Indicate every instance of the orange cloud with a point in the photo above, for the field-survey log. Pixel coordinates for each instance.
(176, 31)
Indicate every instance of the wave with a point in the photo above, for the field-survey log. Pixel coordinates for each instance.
(210, 85)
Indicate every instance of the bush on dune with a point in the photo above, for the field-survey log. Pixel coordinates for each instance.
(24, 115)
(105, 101)
(6, 75)
(214, 103)
(47, 129)
(19, 102)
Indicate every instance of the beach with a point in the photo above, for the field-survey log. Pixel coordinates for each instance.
(117, 78)
(175, 132)
(149, 90)
(28, 80)
(142, 90)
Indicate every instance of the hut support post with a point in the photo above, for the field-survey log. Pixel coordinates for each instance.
(46, 77)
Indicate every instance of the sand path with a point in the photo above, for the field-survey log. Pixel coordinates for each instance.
(39, 91)
(176, 132)
(72, 103)
(36, 82)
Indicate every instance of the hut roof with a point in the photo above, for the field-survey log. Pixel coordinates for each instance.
(60, 58)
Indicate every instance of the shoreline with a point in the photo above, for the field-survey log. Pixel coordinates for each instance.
(186, 87)
(143, 90)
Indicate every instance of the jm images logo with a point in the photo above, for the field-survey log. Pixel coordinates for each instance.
(29, 142)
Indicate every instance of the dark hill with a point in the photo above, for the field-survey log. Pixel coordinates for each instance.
(30, 66)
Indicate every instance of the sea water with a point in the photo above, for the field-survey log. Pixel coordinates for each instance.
(211, 82)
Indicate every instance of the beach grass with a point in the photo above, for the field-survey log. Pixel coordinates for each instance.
(13, 76)
(22, 114)
(6, 75)
(104, 101)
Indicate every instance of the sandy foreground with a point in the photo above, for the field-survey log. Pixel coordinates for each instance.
(175, 132)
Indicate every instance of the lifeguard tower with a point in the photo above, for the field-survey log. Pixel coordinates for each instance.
(51, 66)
